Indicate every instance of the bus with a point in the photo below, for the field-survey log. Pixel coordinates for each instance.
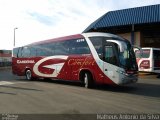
(148, 60)
(90, 58)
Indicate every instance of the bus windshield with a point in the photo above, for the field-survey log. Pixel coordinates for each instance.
(126, 56)
(122, 50)
(145, 53)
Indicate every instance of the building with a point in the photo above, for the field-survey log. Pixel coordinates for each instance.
(140, 25)
(5, 58)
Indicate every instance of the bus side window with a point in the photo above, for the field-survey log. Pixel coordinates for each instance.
(15, 52)
(44, 49)
(26, 52)
(38, 50)
(19, 52)
(62, 48)
(79, 46)
(72, 47)
(32, 51)
(97, 43)
(49, 49)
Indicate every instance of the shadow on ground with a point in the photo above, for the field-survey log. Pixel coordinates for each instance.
(145, 89)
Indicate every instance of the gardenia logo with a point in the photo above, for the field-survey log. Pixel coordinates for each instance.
(25, 61)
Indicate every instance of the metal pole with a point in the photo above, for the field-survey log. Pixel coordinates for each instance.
(132, 35)
(14, 42)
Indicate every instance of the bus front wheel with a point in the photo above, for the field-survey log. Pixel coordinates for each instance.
(28, 74)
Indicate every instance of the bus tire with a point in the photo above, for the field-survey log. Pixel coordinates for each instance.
(88, 80)
(28, 74)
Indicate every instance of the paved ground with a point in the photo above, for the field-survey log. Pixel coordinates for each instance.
(20, 96)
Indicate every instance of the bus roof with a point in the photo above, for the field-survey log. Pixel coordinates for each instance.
(77, 36)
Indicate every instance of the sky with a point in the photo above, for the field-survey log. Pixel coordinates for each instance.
(38, 20)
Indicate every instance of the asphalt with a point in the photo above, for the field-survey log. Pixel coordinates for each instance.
(19, 96)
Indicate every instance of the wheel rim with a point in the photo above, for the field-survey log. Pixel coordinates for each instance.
(28, 74)
(86, 80)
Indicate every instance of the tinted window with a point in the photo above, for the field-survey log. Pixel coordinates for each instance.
(78, 46)
(39, 50)
(97, 43)
(110, 55)
(49, 49)
(44, 49)
(32, 51)
(15, 52)
(26, 52)
(20, 52)
(156, 54)
(62, 48)
(145, 53)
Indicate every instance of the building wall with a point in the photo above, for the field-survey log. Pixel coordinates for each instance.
(151, 38)
(5, 58)
(137, 37)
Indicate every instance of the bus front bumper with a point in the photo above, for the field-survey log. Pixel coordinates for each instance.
(129, 79)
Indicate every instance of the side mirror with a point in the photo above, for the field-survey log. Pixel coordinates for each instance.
(138, 49)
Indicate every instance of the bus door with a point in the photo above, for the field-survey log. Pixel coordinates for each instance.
(111, 61)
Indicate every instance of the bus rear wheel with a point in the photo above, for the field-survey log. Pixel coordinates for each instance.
(88, 80)
(28, 75)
